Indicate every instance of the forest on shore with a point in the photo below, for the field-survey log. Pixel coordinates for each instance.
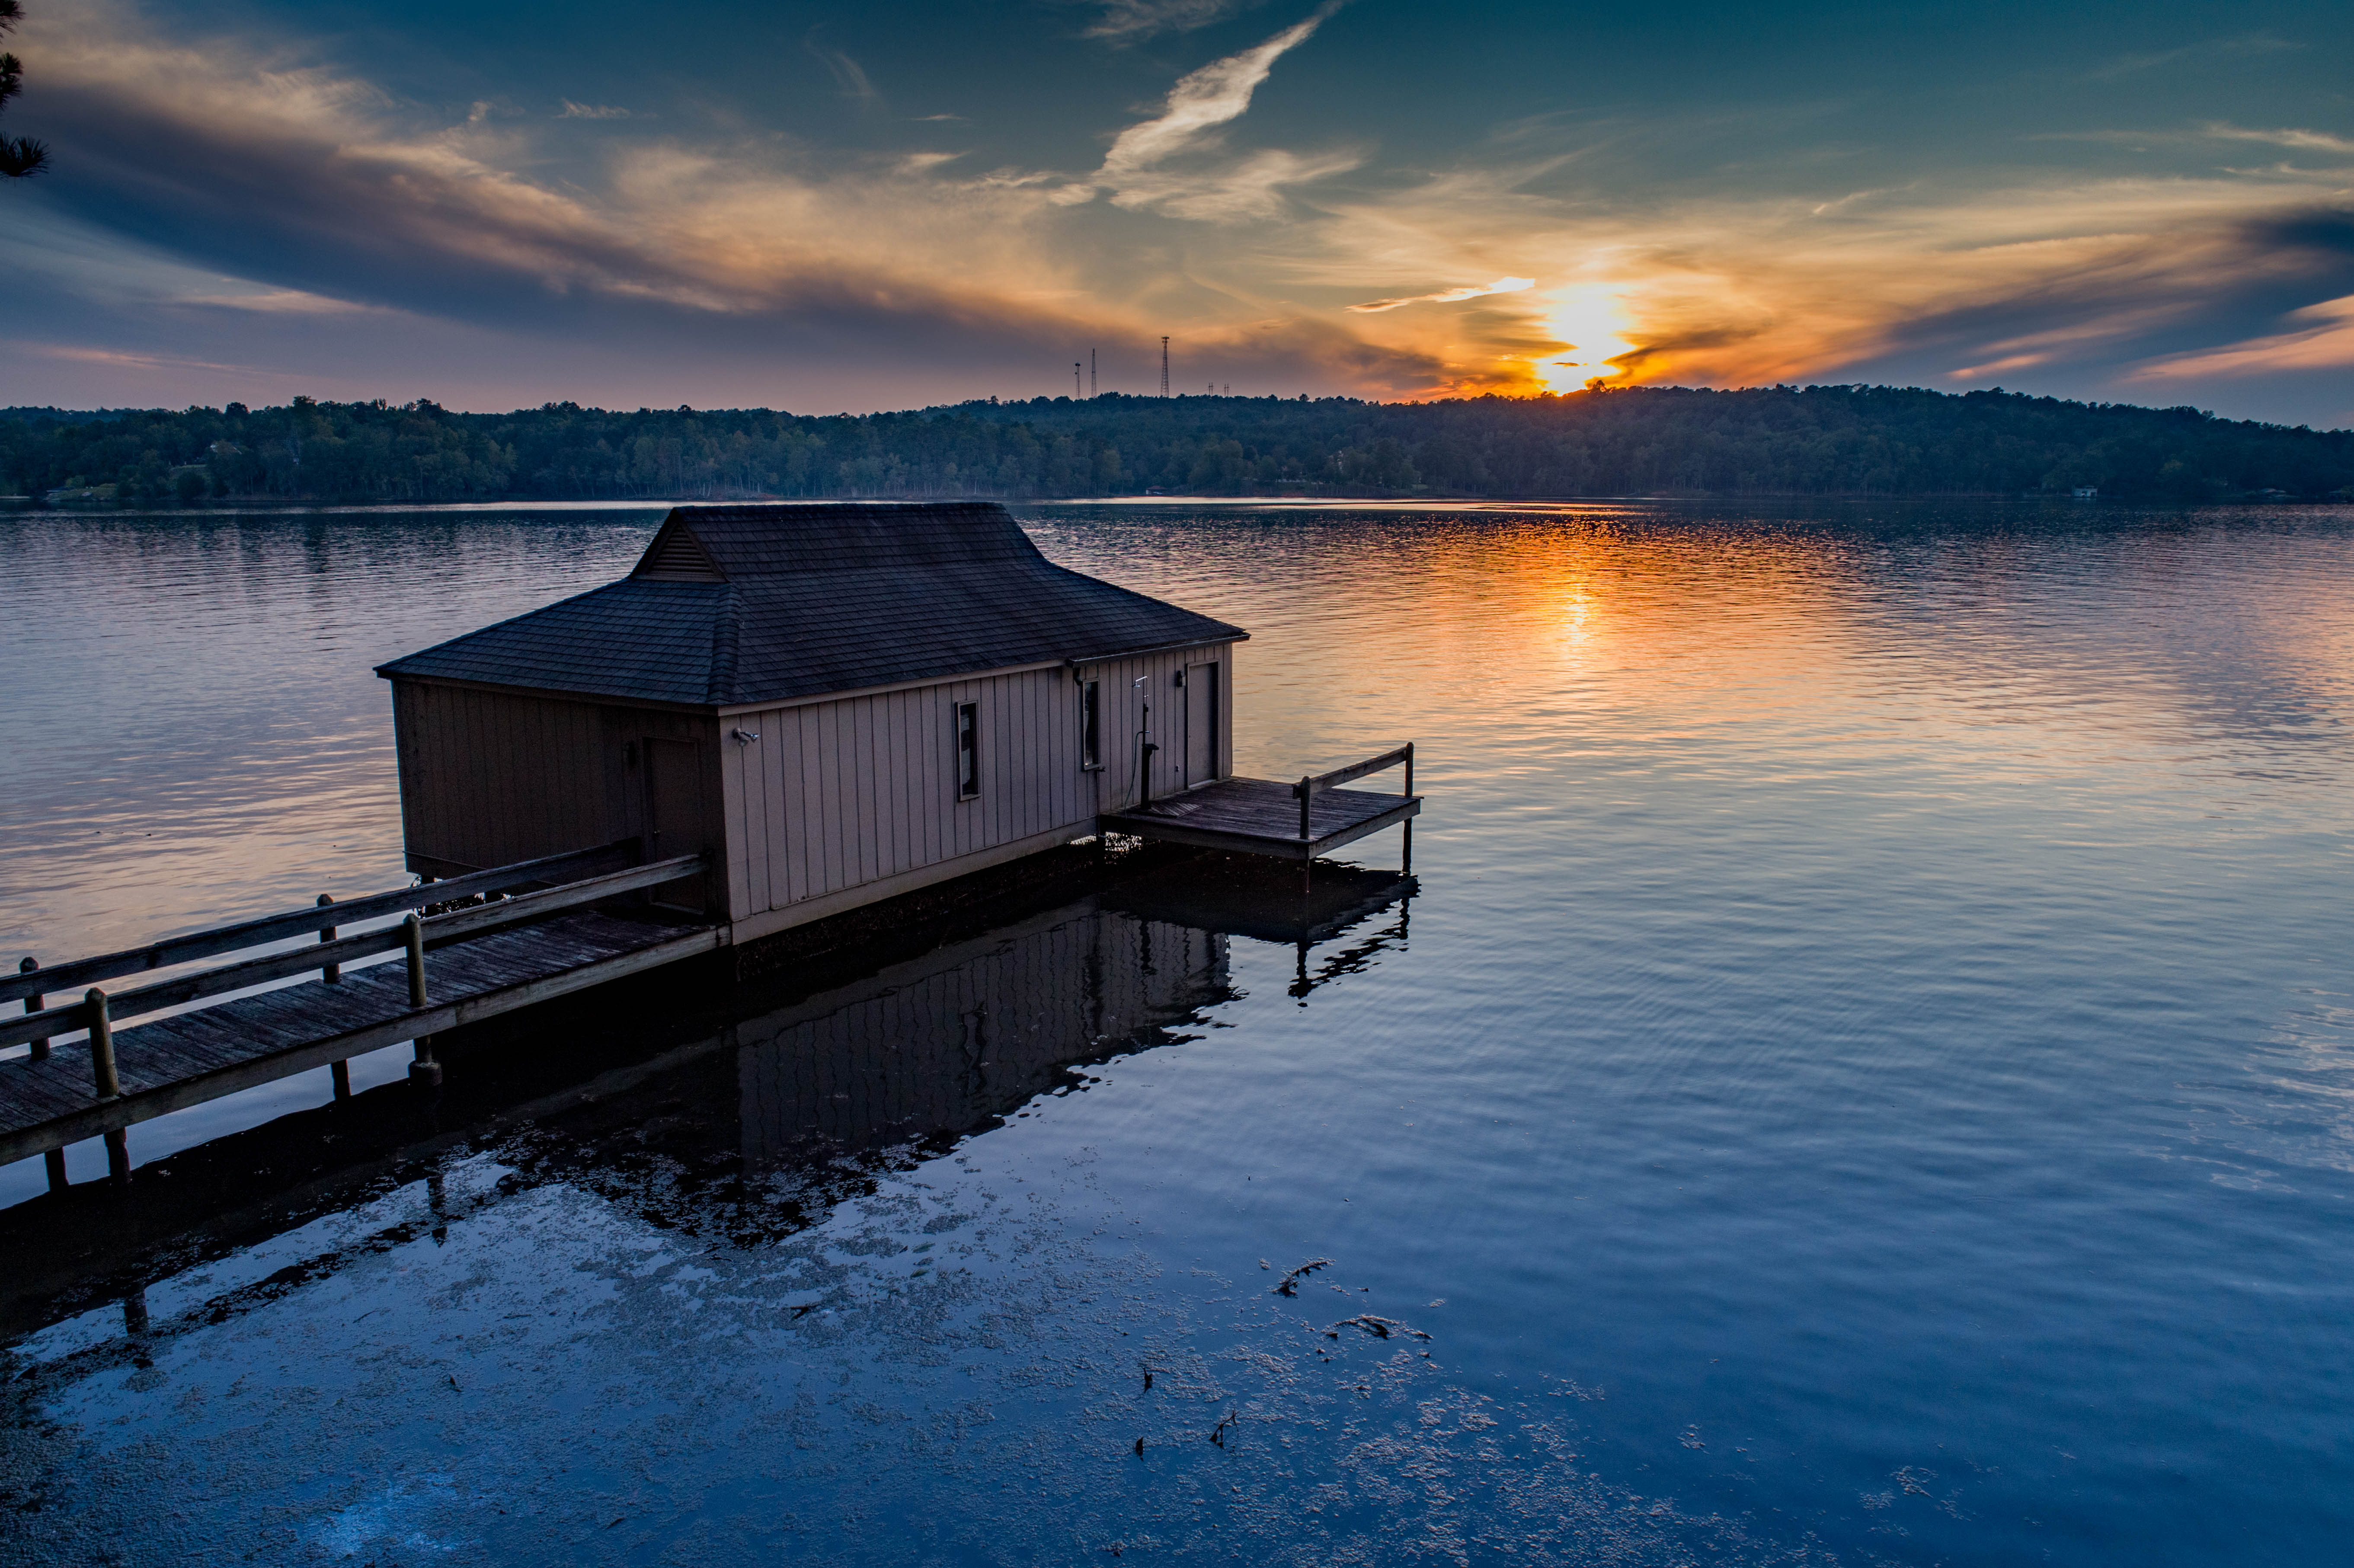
(1776, 441)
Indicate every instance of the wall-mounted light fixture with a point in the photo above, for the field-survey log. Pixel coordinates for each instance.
(743, 736)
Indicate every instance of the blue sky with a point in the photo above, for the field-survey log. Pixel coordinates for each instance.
(825, 207)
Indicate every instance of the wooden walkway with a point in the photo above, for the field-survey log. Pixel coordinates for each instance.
(1293, 822)
(485, 959)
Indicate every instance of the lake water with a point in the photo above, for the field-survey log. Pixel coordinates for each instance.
(1863, 1076)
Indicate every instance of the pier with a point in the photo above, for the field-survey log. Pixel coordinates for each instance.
(1291, 821)
(520, 934)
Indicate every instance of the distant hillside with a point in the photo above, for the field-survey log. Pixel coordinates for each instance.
(1815, 440)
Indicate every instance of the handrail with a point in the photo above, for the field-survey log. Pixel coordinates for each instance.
(457, 923)
(253, 933)
(444, 928)
(1318, 783)
(1315, 784)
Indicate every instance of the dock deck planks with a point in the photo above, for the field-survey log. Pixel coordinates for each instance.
(1260, 816)
(166, 1064)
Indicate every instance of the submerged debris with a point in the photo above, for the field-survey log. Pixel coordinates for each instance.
(1379, 1327)
(1290, 1284)
(1218, 1433)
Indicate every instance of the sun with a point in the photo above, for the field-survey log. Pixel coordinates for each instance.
(1592, 319)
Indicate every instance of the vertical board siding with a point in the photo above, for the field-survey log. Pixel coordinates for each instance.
(863, 789)
(490, 778)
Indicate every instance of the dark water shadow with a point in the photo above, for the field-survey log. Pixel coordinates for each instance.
(739, 1099)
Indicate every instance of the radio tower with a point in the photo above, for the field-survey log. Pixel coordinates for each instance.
(1091, 373)
(1164, 367)
(1074, 381)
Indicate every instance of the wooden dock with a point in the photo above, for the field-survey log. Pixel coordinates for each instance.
(498, 940)
(504, 950)
(1292, 821)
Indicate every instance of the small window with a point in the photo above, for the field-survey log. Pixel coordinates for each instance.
(1091, 723)
(968, 736)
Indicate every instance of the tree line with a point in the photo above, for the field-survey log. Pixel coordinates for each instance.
(1777, 440)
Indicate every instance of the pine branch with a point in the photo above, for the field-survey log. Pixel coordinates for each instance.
(21, 157)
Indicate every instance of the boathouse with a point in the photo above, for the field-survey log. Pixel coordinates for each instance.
(838, 702)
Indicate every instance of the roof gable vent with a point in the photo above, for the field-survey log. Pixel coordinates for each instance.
(676, 555)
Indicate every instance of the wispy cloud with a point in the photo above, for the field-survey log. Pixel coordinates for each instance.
(1447, 296)
(2207, 49)
(1132, 21)
(2322, 341)
(2211, 130)
(2303, 141)
(591, 111)
(848, 74)
(1174, 163)
(276, 302)
(119, 359)
(1206, 98)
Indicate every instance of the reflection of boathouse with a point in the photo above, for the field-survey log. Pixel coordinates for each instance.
(946, 1043)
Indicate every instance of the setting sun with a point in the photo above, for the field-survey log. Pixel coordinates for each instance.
(1592, 320)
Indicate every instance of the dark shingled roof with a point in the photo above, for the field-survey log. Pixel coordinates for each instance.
(752, 604)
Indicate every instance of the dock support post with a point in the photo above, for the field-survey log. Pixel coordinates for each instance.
(118, 1157)
(55, 1158)
(33, 1005)
(332, 974)
(424, 1071)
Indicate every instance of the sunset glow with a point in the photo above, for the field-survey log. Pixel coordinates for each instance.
(1594, 322)
(884, 216)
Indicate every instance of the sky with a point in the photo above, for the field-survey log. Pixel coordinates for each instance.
(824, 207)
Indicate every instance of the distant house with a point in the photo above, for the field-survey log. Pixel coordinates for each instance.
(839, 703)
(2086, 492)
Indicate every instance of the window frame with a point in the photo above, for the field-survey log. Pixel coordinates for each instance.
(965, 726)
(1091, 727)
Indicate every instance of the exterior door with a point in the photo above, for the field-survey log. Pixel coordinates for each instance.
(1201, 724)
(676, 823)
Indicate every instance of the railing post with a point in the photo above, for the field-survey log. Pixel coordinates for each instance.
(1305, 795)
(102, 1046)
(33, 1005)
(1409, 768)
(331, 973)
(52, 1160)
(413, 930)
(424, 1070)
(110, 1086)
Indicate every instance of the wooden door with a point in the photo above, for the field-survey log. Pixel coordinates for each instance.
(676, 820)
(1201, 724)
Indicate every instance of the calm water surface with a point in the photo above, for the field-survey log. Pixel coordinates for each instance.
(1863, 1077)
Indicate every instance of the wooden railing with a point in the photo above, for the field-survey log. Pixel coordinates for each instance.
(1315, 784)
(221, 939)
(98, 1012)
